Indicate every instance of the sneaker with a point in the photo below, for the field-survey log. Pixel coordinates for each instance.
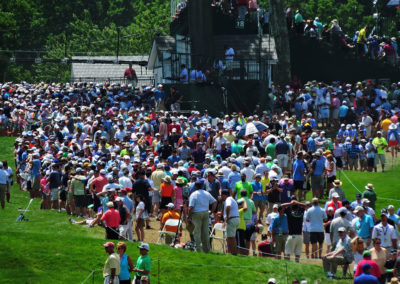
(329, 275)
(72, 221)
(59, 211)
(148, 227)
(334, 276)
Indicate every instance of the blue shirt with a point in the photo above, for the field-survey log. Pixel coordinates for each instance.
(353, 151)
(366, 279)
(319, 167)
(257, 187)
(124, 272)
(36, 165)
(281, 147)
(311, 145)
(343, 111)
(280, 225)
(298, 168)
(233, 178)
(128, 203)
(200, 200)
(364, 226)
(316, 215)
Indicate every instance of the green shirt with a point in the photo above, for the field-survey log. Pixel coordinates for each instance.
(79, 187)
(298, 18)
(143, 262)
(270, 149)
(250, 208)
(236, 148)
(379, 143)
(371, 196)
(242, 185)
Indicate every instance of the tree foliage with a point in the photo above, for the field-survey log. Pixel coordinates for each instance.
(62, 28)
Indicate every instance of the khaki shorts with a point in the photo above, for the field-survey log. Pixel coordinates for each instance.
(294, 245)
(231, 227)
(259, 204)
(279, 243)
(54, 194)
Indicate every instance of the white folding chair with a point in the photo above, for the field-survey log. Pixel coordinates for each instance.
(172, 223)
(218, 238)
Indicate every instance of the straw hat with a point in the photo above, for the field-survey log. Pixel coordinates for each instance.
(167, 179)
(369, 186)
(180, 180)
(337, 183)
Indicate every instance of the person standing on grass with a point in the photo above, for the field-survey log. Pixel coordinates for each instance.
(126, 264)
(3, 184)
(143, 264)
(199, 204)
(232, 220)
(112, 219)
(141, 215)
(9, 170)
(54, 181)
(370, 194)
(381, 144)
(316, 216)
(112, 266)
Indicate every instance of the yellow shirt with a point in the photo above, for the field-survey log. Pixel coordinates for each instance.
(385, 124)
(112, 262)
(264, 183)
(380, 257)
(362, 36)
(229, 137)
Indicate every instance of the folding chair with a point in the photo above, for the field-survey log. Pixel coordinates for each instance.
(171, 223)
(218, 233)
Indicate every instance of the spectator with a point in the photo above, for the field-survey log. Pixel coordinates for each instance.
(316, 216)
(143, 264)
(126, 264)
(112, 267)
(112, 220)
(342, 254)
(199, 202)
(232, 220)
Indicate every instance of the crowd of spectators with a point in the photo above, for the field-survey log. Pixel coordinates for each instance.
(364, 43)
(102, 152)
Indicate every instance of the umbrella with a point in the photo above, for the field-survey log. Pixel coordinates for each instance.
(393, 3)
(251, 128)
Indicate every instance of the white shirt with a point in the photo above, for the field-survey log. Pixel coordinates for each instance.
(141, 207)
(270, 217)
(125, 182)
(234, 209)
(218, 141)
(385, 233)
(249, 174)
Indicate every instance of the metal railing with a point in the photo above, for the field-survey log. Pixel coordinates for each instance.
(142, 80)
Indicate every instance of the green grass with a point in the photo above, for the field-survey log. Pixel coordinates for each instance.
(47, 249)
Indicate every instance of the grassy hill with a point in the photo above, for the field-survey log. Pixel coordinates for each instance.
(47, 249)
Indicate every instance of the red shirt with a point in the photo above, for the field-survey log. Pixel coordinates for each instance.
(265, 249)
(374, 270)
(99, 183)
(112, 218)
(334, 206)
(130, 74)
